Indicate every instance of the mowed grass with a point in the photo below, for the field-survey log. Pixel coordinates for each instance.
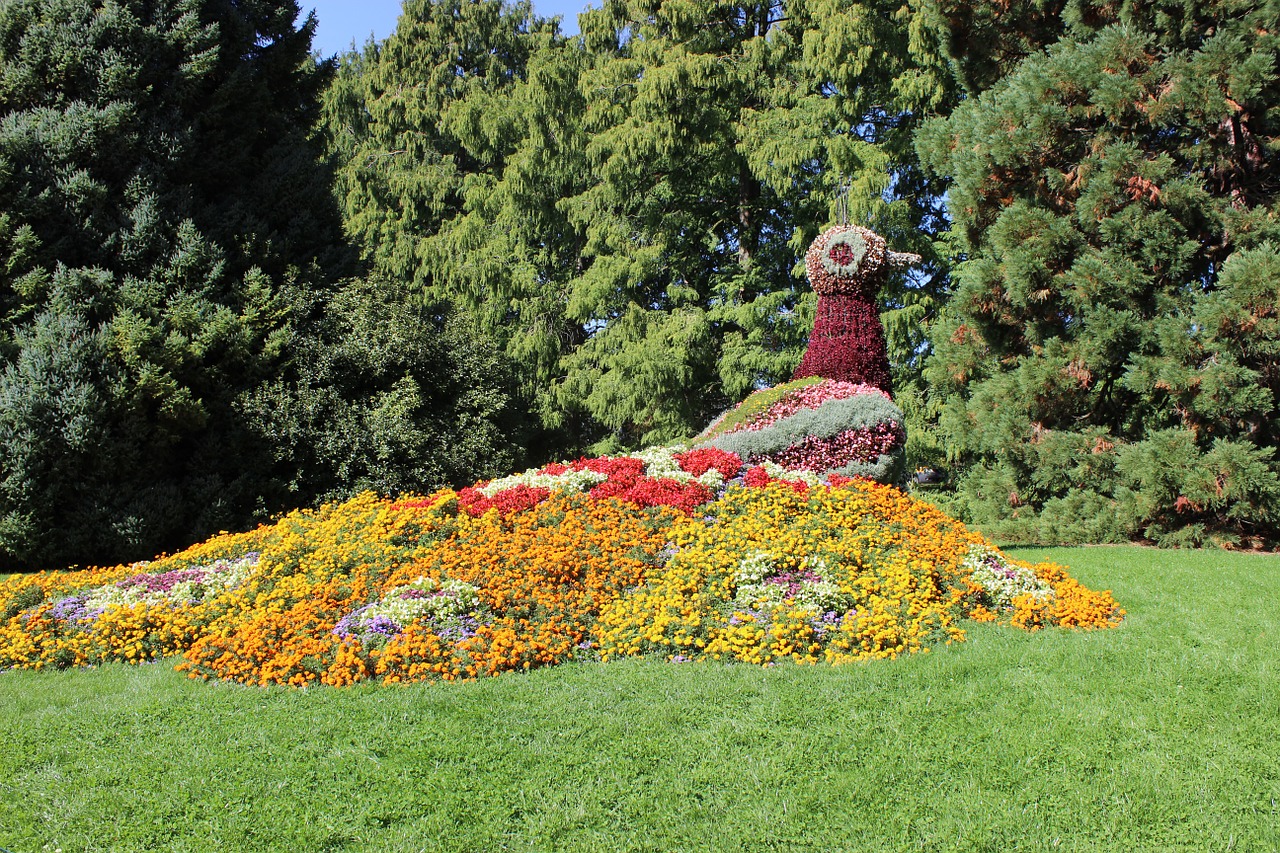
(1161, 735)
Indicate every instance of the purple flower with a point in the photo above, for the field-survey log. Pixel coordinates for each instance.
(827, 622)
(162, 582)
(349, 625)
(793, 582)
(381, 625)
(464, 628)
(73, 609)
(67, 607)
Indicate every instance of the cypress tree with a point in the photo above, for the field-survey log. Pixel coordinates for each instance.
(422, 127)
(416, 120)
(1107, 364)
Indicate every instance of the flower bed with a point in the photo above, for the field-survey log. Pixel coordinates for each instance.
(687, 554)
(661, 476)
(818, 425)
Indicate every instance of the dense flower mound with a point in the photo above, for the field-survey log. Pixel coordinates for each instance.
(133, 613)
(831, 574)
(660, 476)
(823, 426)
(771, 565)
(410, 591)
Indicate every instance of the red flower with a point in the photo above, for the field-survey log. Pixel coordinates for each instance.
(758, 478)
(624, 469)
(854, 445)
(655, 491)
(847, 342)
(700, 461)
(517, 498)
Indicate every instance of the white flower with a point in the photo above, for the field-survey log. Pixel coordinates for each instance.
(219, 576)
(569, 481)
(777, 472)
(425, 598)
(1001, 579)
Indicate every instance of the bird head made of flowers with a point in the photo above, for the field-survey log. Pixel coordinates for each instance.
(851, 259)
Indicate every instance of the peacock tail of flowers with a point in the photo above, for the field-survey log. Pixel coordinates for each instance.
(822, 426)
(771, 538)
(768, 564)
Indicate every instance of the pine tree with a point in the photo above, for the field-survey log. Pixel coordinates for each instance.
(164, 208)
(1106, 364)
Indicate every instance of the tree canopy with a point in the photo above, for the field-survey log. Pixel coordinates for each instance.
(239, 277)
(145, 284)
(1108, 352)
(174, 259)
(624, 212)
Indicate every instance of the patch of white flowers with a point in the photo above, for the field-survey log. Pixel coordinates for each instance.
(450, 607)
(760, 585)
(1002, 580)
(795, 475)
(658, 462)
(425, 598)
(569, 481)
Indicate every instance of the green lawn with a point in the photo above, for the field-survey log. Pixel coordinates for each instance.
(1161, 735)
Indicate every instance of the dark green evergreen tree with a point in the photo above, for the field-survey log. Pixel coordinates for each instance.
(163, 206)
(1107, 363)
(387, 395)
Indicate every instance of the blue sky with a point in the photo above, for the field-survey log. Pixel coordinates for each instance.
(344, 21)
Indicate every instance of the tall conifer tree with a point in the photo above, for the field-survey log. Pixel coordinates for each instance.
(1108, 362)
(625, 212)
(162, 206)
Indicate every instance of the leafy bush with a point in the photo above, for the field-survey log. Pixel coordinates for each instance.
(386, 395)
